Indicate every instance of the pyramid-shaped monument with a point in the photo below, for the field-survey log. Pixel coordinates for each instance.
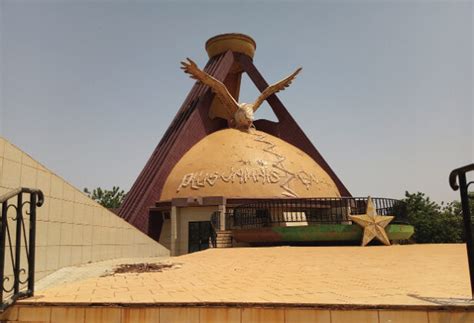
(205, 154)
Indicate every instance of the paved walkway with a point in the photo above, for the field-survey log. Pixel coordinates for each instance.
(93, 270)
(395, 275)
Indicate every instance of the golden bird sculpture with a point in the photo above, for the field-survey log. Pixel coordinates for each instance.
(239, 115)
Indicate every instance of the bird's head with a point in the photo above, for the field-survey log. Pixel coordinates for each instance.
(244, 116)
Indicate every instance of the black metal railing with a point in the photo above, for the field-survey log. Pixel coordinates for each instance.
(17, 244)
(310, 211)
(463, 186)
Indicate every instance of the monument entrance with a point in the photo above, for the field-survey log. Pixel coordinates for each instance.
(199, 233)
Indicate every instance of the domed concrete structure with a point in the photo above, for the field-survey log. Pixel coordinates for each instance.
(240, 164)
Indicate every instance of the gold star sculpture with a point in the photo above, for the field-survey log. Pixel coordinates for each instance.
(373, 224)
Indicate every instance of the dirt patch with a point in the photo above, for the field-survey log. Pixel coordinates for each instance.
(140, 268)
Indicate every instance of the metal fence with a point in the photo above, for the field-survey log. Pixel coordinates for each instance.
(460, 174)
(17, 244)
(306, 211)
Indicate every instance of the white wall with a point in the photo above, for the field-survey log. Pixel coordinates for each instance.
(72, 229)
(165, 235)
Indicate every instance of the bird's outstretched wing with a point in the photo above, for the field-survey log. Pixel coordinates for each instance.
(274, 88)
(217, 87)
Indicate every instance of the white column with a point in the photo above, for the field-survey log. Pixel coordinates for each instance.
(174, 231)
(222, 217)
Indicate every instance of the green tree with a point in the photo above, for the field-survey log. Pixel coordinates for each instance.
(111, 199)
(456, 207)
(433, 223)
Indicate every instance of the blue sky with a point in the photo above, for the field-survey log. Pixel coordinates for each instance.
(89, 87)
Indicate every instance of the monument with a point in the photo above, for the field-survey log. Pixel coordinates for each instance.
(221, 177)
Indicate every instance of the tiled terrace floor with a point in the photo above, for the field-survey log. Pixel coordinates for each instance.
(396, 275)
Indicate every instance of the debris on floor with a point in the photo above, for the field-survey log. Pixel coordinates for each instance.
(140, 268)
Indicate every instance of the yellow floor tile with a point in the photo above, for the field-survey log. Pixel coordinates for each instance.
(307, 315)
(359, 316)
(179, 315)
(10, 314)
(450, 317)
(217, 315)
(263, 315)
(296, 275)
(34, 313)
(103, 315)
(402, 316)
(67, 314)
(141, 315)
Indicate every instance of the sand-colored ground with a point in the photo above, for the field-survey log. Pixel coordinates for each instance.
(375, 275)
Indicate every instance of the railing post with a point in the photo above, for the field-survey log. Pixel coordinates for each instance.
(18, 289)
(467, 226)
(460, 173)
(2, 247)
(19, 219)
(32, 245)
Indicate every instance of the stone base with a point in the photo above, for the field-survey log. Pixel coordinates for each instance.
(229, 312)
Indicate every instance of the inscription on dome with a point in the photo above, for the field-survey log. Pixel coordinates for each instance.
(271, 171)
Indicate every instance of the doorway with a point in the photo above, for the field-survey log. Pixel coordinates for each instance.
(199, 235)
